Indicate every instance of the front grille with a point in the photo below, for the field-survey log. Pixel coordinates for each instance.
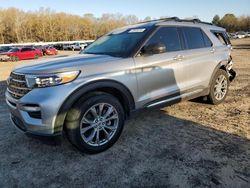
(17, 86)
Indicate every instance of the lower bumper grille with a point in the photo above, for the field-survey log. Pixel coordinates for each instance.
(17, 86)
(18, 123)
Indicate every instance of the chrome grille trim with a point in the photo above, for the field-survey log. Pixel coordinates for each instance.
(20, 81)
(17, 86)
(14, 93)
(21, 88)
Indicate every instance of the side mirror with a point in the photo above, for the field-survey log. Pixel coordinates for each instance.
(156, 48)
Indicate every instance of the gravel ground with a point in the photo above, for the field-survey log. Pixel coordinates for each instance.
(189, 144)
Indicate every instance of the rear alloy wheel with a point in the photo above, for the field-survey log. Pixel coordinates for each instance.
(95, 124)
(219, 87)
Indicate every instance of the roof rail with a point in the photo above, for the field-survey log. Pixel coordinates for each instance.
(162, 19)
(196, 20)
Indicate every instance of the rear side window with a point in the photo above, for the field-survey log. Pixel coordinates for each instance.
(195, 38)
(207, 41)
(169, 37)
(25, 49)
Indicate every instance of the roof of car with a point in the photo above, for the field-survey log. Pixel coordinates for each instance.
(175, 21)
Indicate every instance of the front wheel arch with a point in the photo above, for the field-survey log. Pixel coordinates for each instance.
(114, 88)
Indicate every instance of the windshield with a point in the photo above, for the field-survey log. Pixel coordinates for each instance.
(117, 44)
(14, 50)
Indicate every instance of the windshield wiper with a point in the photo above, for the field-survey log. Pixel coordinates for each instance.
(103, 53)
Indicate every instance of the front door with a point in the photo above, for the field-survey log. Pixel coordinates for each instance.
(160, 75)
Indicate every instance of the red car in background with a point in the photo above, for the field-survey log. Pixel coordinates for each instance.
(50, 51)
(17, 54)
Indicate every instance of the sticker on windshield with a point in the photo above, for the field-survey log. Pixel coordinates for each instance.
(137, 30)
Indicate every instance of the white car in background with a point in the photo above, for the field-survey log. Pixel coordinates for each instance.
(241, 34)
(233, 36)
(78, 46)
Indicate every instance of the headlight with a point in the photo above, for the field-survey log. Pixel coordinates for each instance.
(51, 79)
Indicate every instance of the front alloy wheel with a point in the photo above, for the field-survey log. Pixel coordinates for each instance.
(95, 122)
(99, 124)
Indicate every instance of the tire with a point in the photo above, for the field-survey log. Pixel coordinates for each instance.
(219, 87)
(84, 126)
(14, 58)
(36, 56)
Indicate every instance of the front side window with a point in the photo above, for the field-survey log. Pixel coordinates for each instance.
(193, 37)
(14, 50)
(168, 36)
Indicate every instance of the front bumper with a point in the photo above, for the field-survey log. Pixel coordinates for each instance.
(22, 120)
(47, 101)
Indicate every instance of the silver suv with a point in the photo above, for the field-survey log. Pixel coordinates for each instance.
(90, 95)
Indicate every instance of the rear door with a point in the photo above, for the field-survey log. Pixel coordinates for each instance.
(160, 75)
(31, 53)
(25, 53)
(199, 60)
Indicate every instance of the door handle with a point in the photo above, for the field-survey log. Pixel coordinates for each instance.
(178, 57)
(212, 50)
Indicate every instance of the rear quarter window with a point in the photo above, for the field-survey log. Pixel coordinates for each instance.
(222, 37)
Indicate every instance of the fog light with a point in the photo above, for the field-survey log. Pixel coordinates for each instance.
(30, 108)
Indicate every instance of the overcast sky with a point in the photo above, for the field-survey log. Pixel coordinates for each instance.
(205, 10)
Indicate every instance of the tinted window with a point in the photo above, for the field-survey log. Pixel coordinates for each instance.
(169, 37)
(25, 49)
(207, 41)
(223, 38)
(14, 50)
(193, 37)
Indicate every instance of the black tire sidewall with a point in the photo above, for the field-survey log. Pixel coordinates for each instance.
(15, 58)
(211, 96)
(74, 118)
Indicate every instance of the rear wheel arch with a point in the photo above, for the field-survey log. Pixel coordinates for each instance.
(219, 66)
(111, 87)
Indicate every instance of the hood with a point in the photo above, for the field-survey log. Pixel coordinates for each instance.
(70, 63)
